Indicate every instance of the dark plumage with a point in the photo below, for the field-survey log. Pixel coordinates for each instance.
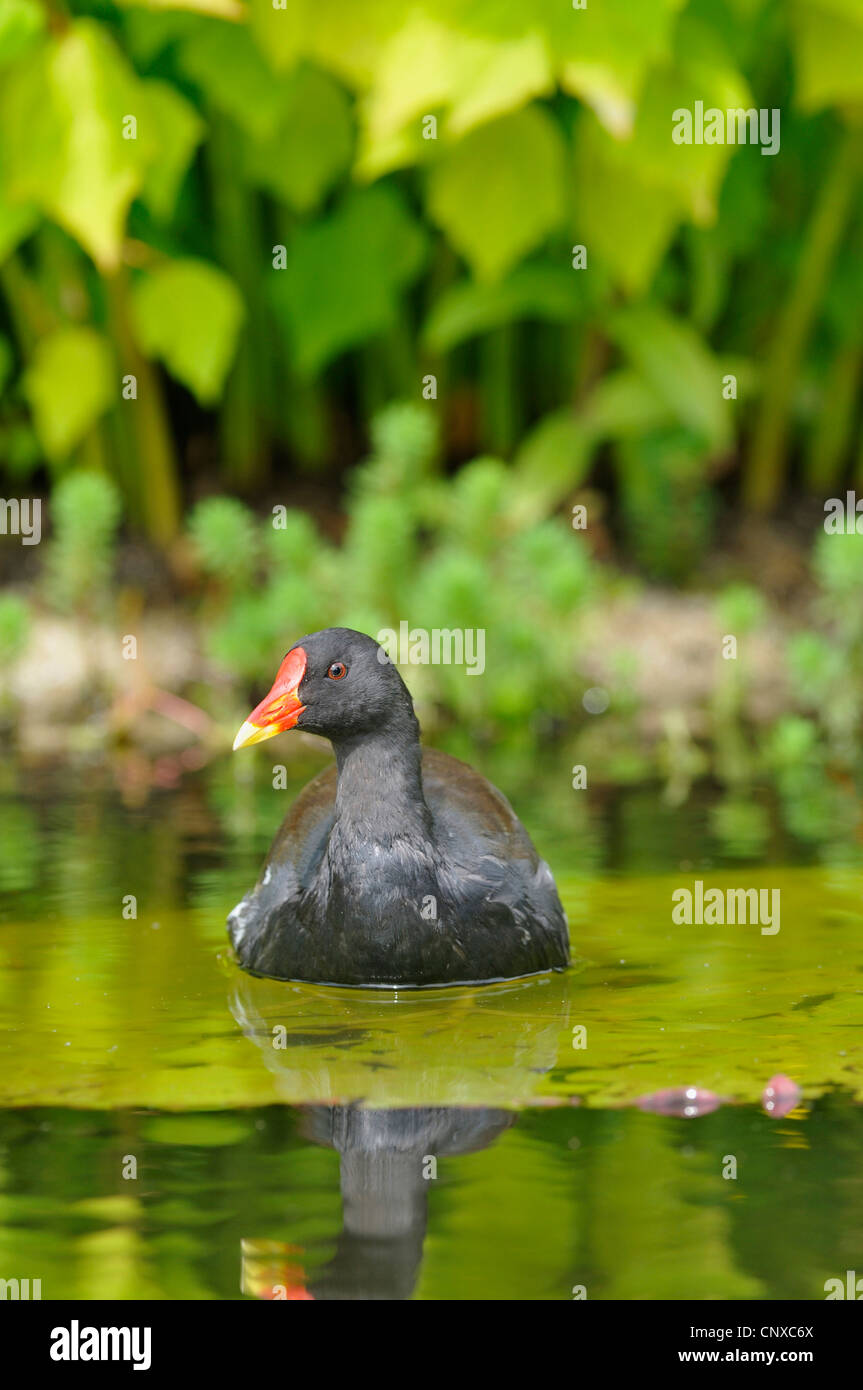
(399, 866)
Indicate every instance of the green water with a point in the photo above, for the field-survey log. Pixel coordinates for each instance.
(463, 1144)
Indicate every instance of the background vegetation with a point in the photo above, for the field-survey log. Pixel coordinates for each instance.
(281, 260)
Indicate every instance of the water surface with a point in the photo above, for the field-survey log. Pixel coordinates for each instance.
(300, 1141)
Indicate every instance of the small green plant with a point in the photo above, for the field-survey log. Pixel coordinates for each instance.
(85, 514)
(223, 534)
(827, 665)
(14, 628)
(419, 549)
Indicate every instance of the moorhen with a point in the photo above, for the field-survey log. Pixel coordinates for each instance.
(400, 865)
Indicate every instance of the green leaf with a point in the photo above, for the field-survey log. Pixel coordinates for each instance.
(601, 53)
(312, 144)
(339, 35)
(553, 460)
(175, 128)
(17, 221)
(702, 71)
(7, 361)
(609, 49)
(499, 192)
(634, 192)
(345, 274)
(15, 627)
(70, 383)
(622, 404)
(622, 220)
(546, 292)
(678, 365)
(148, 32)
(427, 66)
(188, 314)
(21, 23)
(226, 64)
(61, 121)
(215, 9)
(828, 52)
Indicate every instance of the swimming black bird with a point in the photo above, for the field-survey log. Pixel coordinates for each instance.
(400, 865)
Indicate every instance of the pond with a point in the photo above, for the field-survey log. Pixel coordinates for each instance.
(173, 1128)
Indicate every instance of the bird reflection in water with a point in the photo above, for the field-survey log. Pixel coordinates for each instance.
(388, 1163)
(321, 1045)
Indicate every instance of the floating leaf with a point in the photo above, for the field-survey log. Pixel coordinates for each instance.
(188, 313)
(70, 383)
(499, 192)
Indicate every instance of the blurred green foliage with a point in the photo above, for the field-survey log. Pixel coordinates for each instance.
(80, 555)
(14, 627)
(419, 548)
(231, 257)
(282, 245)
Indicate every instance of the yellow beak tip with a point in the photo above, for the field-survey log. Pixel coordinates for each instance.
(249, 733)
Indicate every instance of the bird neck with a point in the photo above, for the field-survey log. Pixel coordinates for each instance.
(380, 793)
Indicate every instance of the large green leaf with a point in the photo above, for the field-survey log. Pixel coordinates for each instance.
(828, 52)
(188, 313)
(552, 462)
(624, 221)
(215, 9)
(312, 144)
(702, 71)
(70, 383)
(499, 191)
(345, 274)
(622, 404)
(546, 292)
(229, 68)
(608, 51)
(340, 35)
(600, 53)
(175, 128)
(427, 67)
(17, 221)
(21, 23)
(678, 365)
(61, 120)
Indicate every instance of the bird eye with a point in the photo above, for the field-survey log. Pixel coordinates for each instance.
(337, 671)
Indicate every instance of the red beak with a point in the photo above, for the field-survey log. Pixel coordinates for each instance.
(279, 710)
